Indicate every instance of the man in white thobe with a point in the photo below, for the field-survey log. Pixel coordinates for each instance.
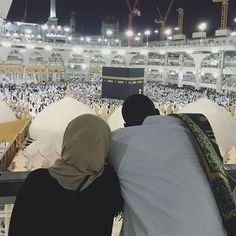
(165, 190)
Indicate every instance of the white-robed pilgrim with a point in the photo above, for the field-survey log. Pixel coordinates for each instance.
(165, 190)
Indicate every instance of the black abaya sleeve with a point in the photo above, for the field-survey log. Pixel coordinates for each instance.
(22, 222)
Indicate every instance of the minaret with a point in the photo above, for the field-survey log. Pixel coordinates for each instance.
(53, 9)
(73, 22)
(26, 9)
(52, 19)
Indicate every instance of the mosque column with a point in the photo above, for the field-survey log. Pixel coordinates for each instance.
(54, 76)
(180, 78)
(198, 58)
(146, 70)
(47, 75)
(24, 74)
(40, 76)
(34, 76)
(198, 78)
(87, 74)
(181, 73)
(164, 76)
(220, 75)
(65, 73)
(165, 70)
(18, 76)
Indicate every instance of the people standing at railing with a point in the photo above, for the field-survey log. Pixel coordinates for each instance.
(78, 195)
(172, 179)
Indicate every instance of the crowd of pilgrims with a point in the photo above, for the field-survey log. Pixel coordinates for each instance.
(32, 98)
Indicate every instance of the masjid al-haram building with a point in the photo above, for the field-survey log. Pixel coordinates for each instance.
(50, 74)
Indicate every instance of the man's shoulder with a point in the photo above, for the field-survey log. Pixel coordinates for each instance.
(149, 124)
(159, 119)
(119, 133)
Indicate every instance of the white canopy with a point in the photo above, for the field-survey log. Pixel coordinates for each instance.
(223, 124)
(45, 146)
(56, 117)
(116, 120)
(6, 113)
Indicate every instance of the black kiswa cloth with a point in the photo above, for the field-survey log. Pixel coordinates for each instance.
(212, 164)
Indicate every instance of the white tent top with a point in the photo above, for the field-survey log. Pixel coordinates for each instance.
(116, 120)
(56, 117)
(45, 145)
(6, 113)
(44, 151)
(223, 124)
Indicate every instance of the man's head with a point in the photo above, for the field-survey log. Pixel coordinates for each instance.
(136, 108)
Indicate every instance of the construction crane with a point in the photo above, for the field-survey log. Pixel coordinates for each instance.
(163, 19)
(180, 20)
(224, 13)
(134, 11)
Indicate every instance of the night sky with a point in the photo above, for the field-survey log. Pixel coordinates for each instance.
(91, 12)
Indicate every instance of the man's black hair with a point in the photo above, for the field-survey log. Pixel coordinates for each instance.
(136, 108)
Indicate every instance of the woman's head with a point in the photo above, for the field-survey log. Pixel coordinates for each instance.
(85, 146)
(86, 143)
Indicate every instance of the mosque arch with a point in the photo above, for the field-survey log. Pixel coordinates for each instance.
(76, 59)
(56, 59)
(189, 76)
(118, 60)
(188, 61)
(156, 59)
(36, 58)
(98, 60)
(230, 59)
(174, 59)
(211, 61)
(15, 57)
(138, 60)
(208, 78)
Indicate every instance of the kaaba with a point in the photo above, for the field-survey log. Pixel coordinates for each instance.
(121, 82)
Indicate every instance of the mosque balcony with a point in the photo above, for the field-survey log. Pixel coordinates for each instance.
(209, 70)
(225, 43)
(176, 68)
(188, 69)
(189, 83)
(229, 71)
(208, 85)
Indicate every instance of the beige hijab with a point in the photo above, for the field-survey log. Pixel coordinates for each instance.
(85, 146)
